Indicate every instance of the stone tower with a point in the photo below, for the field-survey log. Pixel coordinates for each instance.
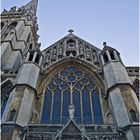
(20, 55)
(120, 92)
(70, 90)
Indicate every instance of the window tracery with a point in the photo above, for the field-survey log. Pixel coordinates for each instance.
(71, 85)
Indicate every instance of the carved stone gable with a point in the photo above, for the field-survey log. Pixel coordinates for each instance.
(71, 46)
(71, 128)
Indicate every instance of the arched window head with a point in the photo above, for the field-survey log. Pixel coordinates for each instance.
(72, 86)
(2, 25)
(12, 115)
(133, 115)
(13, 25)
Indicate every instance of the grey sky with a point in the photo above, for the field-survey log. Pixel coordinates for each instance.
(96, 21)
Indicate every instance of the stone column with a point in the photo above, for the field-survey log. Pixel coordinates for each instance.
(34, 57)
(28, 55)
(65, 47)
(115, 55)
(77, 48)
(40, 61)
(102, 60)
(108, 55)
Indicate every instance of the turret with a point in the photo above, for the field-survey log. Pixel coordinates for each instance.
(20, 50)
(120, 93)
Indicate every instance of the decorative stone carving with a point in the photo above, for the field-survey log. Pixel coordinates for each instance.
(67, 48)
(12, 10)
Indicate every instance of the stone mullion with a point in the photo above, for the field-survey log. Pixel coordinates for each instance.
(91, 54)
(85, 53)
(92, 113)
(108, 55)
(77, 48)
(64, 47)
(115, 55)
(40, 61)
(51, 55)
(57, 47)
(102, 60)
(28, 55)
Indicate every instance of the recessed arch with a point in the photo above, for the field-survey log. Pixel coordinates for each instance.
(84, 67)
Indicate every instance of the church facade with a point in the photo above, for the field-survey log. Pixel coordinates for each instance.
(71, 90)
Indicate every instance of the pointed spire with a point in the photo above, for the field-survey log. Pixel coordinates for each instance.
(31, 6)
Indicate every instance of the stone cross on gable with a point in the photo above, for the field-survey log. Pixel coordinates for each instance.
(70, 31)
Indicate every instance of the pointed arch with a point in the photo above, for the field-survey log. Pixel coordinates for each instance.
(60, 76)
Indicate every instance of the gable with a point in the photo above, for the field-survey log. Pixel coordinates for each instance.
(71, 46)
(71, 132)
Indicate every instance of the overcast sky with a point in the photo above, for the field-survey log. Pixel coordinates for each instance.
(96, 21)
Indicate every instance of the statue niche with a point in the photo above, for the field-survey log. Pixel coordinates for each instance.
(71, 47)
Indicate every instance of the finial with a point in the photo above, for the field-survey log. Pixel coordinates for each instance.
(70, 31)
(104, 43)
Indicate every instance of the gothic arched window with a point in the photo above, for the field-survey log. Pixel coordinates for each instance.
(5, 92)
(72, 86)
(133, 116)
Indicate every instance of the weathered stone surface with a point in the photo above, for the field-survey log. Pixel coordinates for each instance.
(115, 73)
(28, 75)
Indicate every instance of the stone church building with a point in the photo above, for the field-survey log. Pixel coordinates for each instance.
(71, 90)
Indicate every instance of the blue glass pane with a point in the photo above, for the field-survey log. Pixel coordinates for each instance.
(66, 103)
(58, 81)
(71, 69)
(56, 107)
(90, 86)
(84, 81)
(52, 86)
(78, 73)
(76, 101)
(46, 108)
(98, 119)
(86, 107)
(64, 74)
(64, 87)
(78, 86)
(71, 78)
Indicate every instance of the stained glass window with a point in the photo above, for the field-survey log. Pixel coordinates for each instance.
(72, 85)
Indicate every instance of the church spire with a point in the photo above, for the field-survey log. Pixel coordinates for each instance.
(31, 6)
